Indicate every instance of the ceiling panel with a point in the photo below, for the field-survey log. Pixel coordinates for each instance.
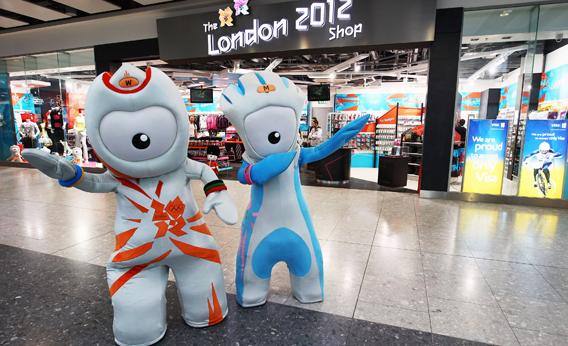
(31, 10)
(10, 23)
(150, 2)
(90, 6)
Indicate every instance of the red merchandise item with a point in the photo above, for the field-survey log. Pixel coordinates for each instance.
(31, 116)
(214, 166)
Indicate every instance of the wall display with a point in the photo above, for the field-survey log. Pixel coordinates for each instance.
(485, 156)
(319, 92)
(544, 159)
(554, 84)
(23, 101)
(75, 102)
(471, 101)
(508, 96)
(302, 25)
(277, 224)
(202, 107)
(201, 95)
(142, 136)
(377, 102)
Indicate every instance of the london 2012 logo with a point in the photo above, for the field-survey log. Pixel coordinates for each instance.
(333, 14)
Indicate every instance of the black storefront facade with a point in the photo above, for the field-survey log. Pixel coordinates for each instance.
(309, 27)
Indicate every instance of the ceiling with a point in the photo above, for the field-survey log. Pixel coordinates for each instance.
(16, 13)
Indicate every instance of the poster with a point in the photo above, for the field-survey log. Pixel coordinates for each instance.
(543, 159)
(554, 84)
(508, 96)
(377, 102)
(485, 156)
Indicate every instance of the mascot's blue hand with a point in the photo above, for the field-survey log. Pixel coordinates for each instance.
(271, 166)
(335, 142)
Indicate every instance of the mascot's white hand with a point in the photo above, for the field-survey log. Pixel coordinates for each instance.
(224, 206)
(53, 166)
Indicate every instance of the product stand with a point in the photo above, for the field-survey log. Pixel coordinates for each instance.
(393, 171)
(335, 168)
(415, 157)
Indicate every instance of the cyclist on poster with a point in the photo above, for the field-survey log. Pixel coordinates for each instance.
(544, 159)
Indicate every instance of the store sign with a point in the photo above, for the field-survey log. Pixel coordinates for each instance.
(544, 159)
(296, 25)
(485, 156)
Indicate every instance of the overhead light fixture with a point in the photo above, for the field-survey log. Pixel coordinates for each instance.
(357, 67)
(505, 13)
(194, 78)
(225, 78)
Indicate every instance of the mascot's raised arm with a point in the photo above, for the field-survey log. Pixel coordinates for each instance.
(138, 126)
(265, 110)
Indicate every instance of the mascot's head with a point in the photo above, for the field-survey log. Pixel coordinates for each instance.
(265, 110)
(15, 150)
(137, 122)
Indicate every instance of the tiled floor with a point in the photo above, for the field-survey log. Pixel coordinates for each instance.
(496, 274)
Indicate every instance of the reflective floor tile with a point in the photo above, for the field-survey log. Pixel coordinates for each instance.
(532, 338)
(521, 285)
(345, 251)
(445, 246)
(488, 266)
(78, 254)
(468, 289)
(339, 299)
(344, 271)
(538, 315)
(392, 291)
(352, 236)
(392, 315)
(470, 321)
(397, 241)
(449, 264)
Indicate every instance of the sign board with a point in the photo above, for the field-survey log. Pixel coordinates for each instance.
(544, 151)
(296, 26)
(485, 156)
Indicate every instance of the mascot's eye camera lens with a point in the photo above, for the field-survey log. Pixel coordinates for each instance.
(141, 141)
(274, 137)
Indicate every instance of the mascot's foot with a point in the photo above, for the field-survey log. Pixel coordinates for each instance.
(318, 300)
(144, 344)
(206, 324)
(253, 305)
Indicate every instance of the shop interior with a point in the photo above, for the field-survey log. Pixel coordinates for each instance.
(500, 48)
(515, 68)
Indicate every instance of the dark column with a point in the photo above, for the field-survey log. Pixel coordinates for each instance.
(443, 79)
(109, 57)
(489, 104)
(535, 87)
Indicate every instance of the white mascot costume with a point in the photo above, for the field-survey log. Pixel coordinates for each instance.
(138, 126)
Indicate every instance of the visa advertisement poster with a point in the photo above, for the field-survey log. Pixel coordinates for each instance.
(543, 159)
(485, 156)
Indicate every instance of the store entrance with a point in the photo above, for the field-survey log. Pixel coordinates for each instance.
(389, 85)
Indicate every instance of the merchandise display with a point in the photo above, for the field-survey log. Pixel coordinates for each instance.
(265, 109)
(141, 132)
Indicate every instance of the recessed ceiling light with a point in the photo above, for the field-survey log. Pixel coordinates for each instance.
(225, 78)
(201, 82)
(194, 78)
(505, 13)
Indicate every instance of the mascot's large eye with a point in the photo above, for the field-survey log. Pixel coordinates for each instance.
(141, 141)
(140, 135)
(271, 130)
(274, 137)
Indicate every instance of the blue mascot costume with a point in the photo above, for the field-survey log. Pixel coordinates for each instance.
(265, 110)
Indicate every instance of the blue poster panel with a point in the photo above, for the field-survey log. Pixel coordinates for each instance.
(554, 84)
(485, 156)
(543, 159)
